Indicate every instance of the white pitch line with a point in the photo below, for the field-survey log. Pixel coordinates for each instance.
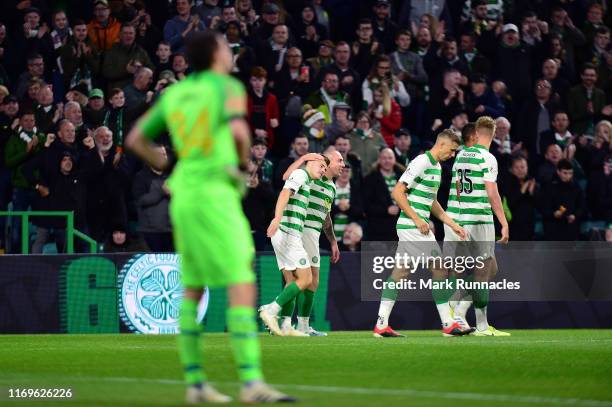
(510, 398)
(394, 342)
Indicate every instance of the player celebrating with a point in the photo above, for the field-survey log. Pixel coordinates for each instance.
(204, 115)
(468, 137)
(322, 194)
(472, 202)
(415, 194)
(286, 231)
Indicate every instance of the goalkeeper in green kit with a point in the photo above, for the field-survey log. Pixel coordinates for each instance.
(204, 115)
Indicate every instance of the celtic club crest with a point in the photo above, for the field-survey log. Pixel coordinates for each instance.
(151, 294)
(328, 203)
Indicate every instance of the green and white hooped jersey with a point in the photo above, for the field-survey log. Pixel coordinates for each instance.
(294, 215)
(468, 202)
(422, 180)
(322, 194)
(341, 220)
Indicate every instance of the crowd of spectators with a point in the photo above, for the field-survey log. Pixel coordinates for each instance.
(374, 79)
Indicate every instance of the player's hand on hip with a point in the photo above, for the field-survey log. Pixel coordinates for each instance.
(422, 226)
(461, 232)
(505, 235)
(335, 252)
(273, 227)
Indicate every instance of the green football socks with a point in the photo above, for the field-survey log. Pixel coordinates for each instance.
(443, 293)
(287, 310)
(389, 293)
(245, 343)
(189, 342)
(305, 301)
(288, 294)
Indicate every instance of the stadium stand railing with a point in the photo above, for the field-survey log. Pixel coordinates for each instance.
(71, 232)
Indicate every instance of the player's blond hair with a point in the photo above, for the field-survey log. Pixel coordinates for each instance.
(451, 135)
(485, 124)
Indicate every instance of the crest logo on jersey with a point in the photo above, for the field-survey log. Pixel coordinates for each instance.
(328, 203)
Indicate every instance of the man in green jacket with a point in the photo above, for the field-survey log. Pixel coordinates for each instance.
(327, 96)
(124, 58)
(22, 146)
(586, 103)
(365, 142)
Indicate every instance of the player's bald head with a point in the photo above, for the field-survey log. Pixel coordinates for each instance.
(331, 152)
(336, 162)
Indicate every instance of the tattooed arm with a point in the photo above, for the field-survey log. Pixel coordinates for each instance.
(328, 229)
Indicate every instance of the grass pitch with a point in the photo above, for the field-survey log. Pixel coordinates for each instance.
(531, 368)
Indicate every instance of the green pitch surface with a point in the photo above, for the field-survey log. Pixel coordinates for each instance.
(531, 368)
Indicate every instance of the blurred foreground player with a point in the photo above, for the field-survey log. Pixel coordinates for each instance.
(204, 115)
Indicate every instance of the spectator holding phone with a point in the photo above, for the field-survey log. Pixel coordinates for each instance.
(381, 73)
(385, 113)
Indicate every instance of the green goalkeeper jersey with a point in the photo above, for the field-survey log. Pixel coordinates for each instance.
(197, 113)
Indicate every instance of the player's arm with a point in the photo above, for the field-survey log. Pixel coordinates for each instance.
(498, 209)
(281, 204)
(139, 139)
(242, 139)
(235, 107)
(490, 171)
(440, 213)
(408, 180)
(301, 161)
(328, 229)
(292, 185)
(399, 195)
